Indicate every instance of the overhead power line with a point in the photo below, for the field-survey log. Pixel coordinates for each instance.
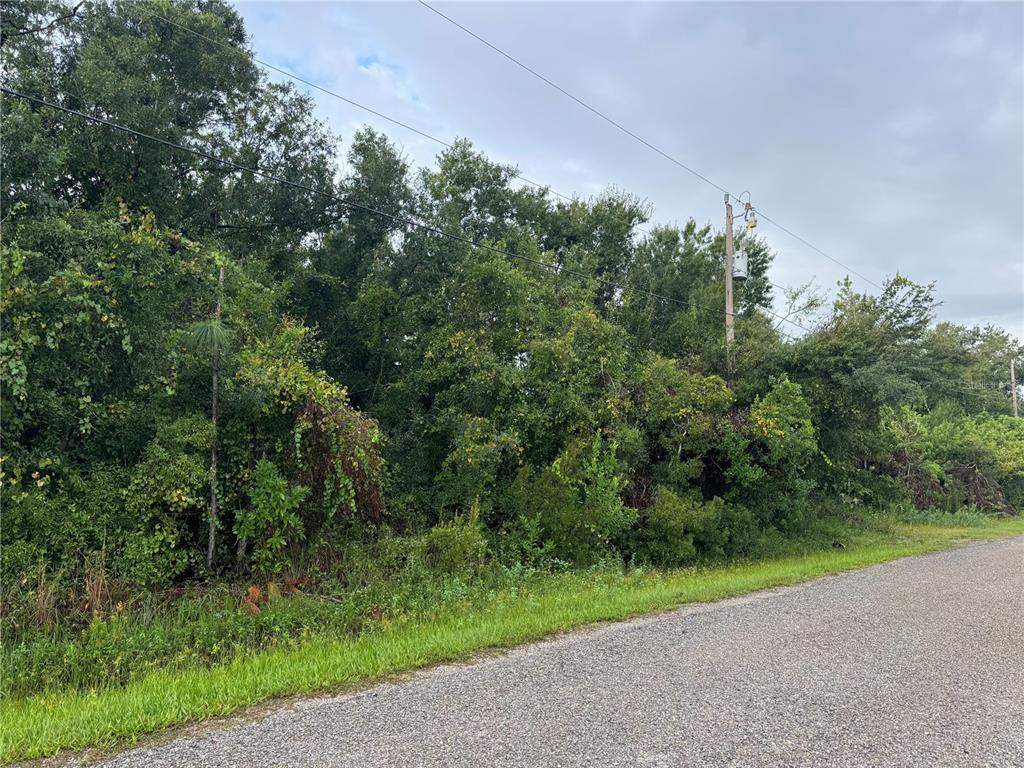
(296, 185)
(392, 120)
(383, 116)
(557, 269)
(815, 248)
(336, 95)
(578, 100)
(674, 160)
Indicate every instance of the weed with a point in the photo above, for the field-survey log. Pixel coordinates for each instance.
(499, 609)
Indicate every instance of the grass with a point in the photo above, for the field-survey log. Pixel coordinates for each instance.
(46, 724)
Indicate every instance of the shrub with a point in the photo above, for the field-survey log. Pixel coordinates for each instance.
(65, 513)
(151, 560)
(456, 548)
(272, 520)
(737, 531)
(768, 456)
(470, 472)
(781, 423)
(166, 494)
(523, 542)
(677, 529)
(335, 449)
(948, 459)
(667, 530)
(560, 519)
(576, 501)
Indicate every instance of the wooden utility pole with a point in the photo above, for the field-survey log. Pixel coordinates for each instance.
(730, 330)
(1013, 385)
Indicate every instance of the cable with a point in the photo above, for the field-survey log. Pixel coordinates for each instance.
(287, 182)
(633, 135)
(349, 203)
(813, 247)
(578, 100)
(381, 115)
(336, 95)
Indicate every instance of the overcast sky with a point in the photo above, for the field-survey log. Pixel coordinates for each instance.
(888, 135)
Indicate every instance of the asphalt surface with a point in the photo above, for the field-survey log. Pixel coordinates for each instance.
(918, 662)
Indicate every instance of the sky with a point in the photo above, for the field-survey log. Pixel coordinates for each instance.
(888, 135)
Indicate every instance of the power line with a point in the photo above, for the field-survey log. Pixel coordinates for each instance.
(314, 190)
(358, 105)
(394, 121)
(813, 247)
(634, 136)
(557, 269)
(578, 100)
(335, 94)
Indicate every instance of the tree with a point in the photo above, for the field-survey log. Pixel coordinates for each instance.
(212, 336)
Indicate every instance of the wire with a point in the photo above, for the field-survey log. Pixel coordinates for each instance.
(640, 139)
(813, 247)
(558, 269)
(329, 92)
(329, 195)
(578, 100)
(390, 119)
(344, 201)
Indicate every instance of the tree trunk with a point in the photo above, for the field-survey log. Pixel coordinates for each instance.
(212, 541)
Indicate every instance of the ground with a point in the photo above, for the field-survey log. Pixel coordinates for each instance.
(911, 663)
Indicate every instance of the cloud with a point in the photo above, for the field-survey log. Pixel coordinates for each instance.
(888, 134)
(389, 76)
(964, 44)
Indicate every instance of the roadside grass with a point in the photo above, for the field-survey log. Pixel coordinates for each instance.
(47, 724)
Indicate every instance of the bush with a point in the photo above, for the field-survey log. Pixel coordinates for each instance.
(677, 529)
(335, 449)
(948, 459)
(271, 522)
(64, 513)
(768, 456)
(522, 541)
(456, 548)
(576, 503)
(151, 560)
(737, 531)
(167, 495)
(666, 536)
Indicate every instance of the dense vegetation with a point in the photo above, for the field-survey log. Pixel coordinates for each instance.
(212, 380)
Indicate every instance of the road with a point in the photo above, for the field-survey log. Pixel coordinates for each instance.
(919, 662)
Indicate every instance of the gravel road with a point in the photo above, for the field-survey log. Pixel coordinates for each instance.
(918, 662)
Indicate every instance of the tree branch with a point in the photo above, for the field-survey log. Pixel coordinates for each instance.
(4, 35)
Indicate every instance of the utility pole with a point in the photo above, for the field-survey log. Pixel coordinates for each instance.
(730, 329)
(1013, 384)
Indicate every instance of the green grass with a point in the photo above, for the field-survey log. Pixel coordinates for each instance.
(46, 724)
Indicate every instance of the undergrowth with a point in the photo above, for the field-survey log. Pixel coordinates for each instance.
(210, 656)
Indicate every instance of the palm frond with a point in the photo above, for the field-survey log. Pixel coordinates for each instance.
(209, 336)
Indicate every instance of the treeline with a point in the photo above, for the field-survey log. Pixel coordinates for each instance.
(210, 375)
